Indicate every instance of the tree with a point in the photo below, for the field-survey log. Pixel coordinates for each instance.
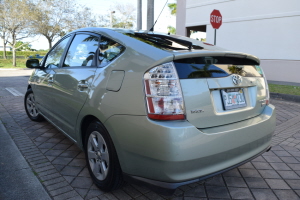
(125, 16)
(17, 17)
(53, 19)
(84, 17)
(173, 8)
(172, 30)
(3, 36)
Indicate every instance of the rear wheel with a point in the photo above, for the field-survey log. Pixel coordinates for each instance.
(30, 107)
(101, 158)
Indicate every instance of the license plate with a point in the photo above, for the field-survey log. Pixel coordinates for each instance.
(233, 98)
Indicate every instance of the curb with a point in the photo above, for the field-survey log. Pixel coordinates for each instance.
(287, 97)
(17, 179)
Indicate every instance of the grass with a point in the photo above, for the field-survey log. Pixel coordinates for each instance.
(284, 89)
(7, 63)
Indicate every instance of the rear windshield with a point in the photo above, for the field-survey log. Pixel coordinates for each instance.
(216, 67)
(164, 42)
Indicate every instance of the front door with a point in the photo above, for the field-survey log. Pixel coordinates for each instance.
(44, 78)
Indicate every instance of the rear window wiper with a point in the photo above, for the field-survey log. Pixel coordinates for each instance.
(168, 40)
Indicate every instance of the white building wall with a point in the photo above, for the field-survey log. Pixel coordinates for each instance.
(269, 29)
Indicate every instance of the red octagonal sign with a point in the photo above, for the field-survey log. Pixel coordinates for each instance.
(216, 19)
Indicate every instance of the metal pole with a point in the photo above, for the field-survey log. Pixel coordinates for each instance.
(139, 15)
(150, 14)
(215, 36)
(111, 18)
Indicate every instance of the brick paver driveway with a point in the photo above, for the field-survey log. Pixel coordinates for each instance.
(61, 168)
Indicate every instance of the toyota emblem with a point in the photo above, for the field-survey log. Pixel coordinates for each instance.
(236, 79)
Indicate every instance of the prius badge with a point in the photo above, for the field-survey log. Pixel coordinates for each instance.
(236, 79)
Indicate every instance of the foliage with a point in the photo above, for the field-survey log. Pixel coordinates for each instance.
(16, 19)
(26, 53)
(173, 8)
(22, 46)
(124, 16)
(172, 30)
(53, 18)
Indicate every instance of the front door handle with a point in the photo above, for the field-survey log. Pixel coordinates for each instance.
(50, 80)
(83, 85)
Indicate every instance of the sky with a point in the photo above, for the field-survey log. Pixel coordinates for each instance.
(104, 6)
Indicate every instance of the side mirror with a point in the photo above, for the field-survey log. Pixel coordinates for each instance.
(33, 63)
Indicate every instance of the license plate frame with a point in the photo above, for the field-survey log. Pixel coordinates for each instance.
(233, 98)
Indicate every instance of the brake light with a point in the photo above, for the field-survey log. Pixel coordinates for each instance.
(267, 99)
(163, 93)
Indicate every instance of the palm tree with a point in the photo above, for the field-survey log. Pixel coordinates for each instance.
(173, 8)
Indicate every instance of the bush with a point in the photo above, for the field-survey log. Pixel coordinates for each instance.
(25, 53)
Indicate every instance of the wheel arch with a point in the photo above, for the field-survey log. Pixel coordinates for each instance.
(84, 125)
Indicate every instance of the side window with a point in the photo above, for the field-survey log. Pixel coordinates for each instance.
(82, 51)
(56, 53)
(109, 50)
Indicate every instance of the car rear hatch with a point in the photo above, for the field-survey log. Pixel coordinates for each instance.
(220, 88)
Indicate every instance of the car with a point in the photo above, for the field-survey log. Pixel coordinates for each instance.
(152, 108)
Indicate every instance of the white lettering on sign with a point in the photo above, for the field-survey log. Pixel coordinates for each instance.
(216, 19)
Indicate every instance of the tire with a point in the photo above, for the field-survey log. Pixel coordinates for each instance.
(30, 107)
(102, 160)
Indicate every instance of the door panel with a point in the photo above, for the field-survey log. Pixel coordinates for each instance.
(72, 81)
(44, 78)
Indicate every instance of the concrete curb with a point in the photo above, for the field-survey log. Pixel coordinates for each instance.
(287, 97)
(17, 179)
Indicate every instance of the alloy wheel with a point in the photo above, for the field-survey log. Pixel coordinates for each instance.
(98, 155)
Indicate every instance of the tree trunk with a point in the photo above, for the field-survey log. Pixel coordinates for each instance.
(49, 41)
(4, 46)
(14, 49)
(14, 57)
(4, 51)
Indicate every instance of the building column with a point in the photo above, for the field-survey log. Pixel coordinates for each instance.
(139, 15)
(150, 14)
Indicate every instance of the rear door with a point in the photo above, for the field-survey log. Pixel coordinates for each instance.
(73, 80)
(220, 90)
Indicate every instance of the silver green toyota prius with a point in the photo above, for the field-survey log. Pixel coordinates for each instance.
(152, 108)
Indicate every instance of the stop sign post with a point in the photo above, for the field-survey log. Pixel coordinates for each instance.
(215, 21)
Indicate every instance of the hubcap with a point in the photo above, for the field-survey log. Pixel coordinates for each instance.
(30, 105)
(98, 155)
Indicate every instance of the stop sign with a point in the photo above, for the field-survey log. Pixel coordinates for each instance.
(216, 19)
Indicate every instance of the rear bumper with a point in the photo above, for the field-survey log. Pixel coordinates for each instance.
(175, 152)
(169, 188)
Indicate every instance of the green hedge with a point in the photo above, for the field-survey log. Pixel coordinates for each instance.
(10, 57)
(24, 53)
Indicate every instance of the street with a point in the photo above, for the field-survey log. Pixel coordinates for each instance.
(60, 167)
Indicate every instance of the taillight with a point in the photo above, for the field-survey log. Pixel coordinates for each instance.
(163, 93)
(267, 100)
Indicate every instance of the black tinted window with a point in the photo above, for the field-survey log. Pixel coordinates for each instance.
(215, 67)
(82, 51)
(109, 50)
(54, 56)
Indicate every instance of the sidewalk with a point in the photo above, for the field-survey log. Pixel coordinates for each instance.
(17, 180)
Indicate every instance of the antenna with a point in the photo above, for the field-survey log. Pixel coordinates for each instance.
(151, 29)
